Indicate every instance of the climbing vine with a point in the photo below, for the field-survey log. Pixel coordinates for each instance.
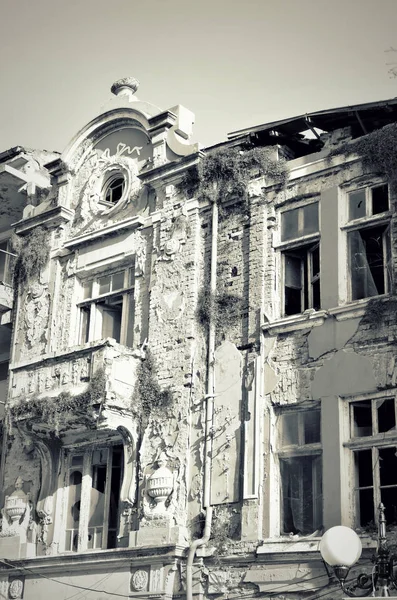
(378, 151)
(33, 253)
(53, 409)
(222, 308)
(225, 174)
(148, 396)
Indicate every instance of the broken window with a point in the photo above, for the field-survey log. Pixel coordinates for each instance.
(370, 261)
(92, 517)
(369, 242)
(373, 441)
(301, 262)
(301, 279)
(300, 471)
(107, 309)
(369, 201)
(113, 189)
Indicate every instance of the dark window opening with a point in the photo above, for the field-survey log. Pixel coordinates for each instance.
(380, 199)
(302, 280)
(362, 419)
(115, 190)
(386, 415)
(301, 494)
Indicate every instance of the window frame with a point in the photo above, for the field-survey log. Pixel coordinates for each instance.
(374, 443)
(109, 179)
(293, 451)
(369, 221)
(308, 280)
(82, 531)
(303, 242)
(90, 317)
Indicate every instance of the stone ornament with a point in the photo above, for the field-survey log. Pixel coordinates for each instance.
(36, 316)
(140, 580)
(160, 485)
(16, 588)
(129, 83)
(16, 513)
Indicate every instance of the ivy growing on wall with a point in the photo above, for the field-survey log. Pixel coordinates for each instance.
(54, 410)
(378, 151)
(33, 252)
(225, 174)
(148, 395)
(224, 309)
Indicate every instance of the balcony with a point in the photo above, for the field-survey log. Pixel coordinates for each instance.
(85, 388)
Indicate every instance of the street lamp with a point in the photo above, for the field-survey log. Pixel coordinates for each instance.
(341, 548)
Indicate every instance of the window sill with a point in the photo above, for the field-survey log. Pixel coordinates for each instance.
(314, 318)
(302, 544)
(355, 309)
(311, 318)
(289, 544)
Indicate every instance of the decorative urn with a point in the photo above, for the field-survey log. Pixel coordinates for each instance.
(160, 485)
(16, 504)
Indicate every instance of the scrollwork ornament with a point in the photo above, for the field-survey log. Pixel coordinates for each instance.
(16, 588)
(140, 580)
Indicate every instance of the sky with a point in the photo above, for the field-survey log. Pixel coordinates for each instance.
(234, 64)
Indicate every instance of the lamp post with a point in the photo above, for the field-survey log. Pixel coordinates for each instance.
(340, 547)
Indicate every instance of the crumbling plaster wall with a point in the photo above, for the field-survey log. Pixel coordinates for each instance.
(339, 356)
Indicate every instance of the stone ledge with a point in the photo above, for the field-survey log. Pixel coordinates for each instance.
(296, 322)
(90, 236)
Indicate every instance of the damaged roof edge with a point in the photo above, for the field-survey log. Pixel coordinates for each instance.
(298, 123)
(11, 153)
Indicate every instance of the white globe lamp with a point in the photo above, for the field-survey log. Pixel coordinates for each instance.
(340, 548)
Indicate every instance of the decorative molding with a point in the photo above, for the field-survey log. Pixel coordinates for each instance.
(128, 487)
(132, 223)
(53, 217)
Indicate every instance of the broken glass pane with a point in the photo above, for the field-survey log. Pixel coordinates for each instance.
(357, 208)
(362, 419)
(363, 460)
(364, 479)
(312, 426)
(367, 262)
(380, 199)
(301, 493)
(366, 507)
(386, 415)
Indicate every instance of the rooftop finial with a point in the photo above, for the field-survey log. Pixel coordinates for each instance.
(126, 86)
